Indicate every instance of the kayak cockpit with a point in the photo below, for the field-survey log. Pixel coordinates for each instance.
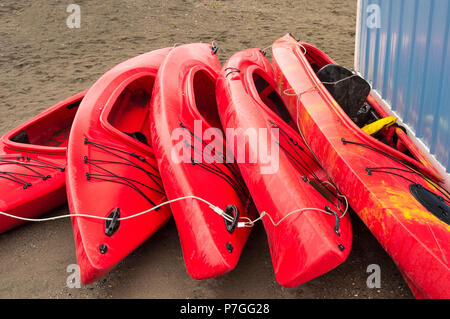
(204, 92)
(51, 130)
(352, 94)
(270, 97)
(130, 111)
(350, 91)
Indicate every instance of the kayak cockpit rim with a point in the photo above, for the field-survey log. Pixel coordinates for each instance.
(195, 106)
(67, 104)
(345, 119)
(120, 88)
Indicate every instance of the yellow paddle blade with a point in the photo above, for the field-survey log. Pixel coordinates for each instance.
(376, 126)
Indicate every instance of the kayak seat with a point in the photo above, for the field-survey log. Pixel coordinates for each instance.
(349, 90)
(139, 136)
(21, 137)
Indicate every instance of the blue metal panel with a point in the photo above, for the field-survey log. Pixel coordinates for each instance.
(407, 60)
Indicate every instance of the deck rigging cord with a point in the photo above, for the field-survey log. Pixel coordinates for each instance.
(234, 180)
(110, 176)
(231, 70)
(292, 92)
(29, 164)
(304, 168)
(402, 162)
(408, 168)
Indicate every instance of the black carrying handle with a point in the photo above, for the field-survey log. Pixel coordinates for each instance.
(232, 210)
(214, 48)
(337, 220)
(112, 225)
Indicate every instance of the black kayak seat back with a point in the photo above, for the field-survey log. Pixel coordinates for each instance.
(138, 136)
(21, 137)
(347, 88)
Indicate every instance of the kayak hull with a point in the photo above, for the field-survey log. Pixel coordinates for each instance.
(376, 179)
(112, 169)
(305, 244)
(184, 110)
(33, 163)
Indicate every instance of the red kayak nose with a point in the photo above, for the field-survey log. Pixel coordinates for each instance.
(307, 227)
(185, 119)
(33, 163)
(112, 171)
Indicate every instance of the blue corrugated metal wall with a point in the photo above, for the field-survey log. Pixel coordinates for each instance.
(406, 57)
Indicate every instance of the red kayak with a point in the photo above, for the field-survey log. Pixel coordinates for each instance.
(387, 180)
(192, 162)
(33, 163)
(112, 170)
(316, 237)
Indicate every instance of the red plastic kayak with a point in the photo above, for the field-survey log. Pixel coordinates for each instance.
(112, 171)
(185, 130)
(314, 238)
(394, 191)
(33, 163)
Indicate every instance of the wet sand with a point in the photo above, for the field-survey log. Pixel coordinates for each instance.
(43, 61)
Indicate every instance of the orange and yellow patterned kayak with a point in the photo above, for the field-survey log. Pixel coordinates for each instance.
(387, 180)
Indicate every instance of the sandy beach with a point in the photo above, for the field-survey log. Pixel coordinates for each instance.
(42, 61)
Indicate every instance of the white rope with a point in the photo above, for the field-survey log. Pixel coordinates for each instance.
(216, 209)
(250, 223)
(296, 43)
(291, 92)
(297, 94)
(267, 47)
(339, 195)
(285, 92)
